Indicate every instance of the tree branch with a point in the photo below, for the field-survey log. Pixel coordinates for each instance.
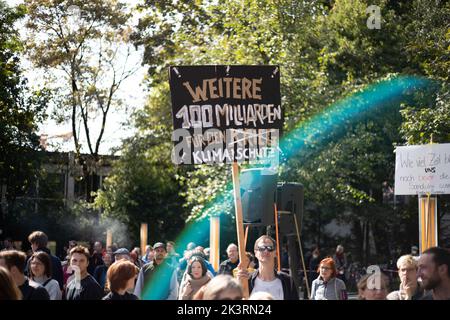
(112, 89)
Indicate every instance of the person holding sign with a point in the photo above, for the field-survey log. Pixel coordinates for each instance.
(251, 264)
(266, 278)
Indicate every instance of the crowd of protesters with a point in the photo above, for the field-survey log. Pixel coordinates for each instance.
(114, 273)
(422, 277)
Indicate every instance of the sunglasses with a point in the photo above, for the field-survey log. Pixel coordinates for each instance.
(268, 248)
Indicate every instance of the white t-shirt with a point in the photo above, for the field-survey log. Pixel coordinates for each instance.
(320, 293)
(52, 287)
(274, 287)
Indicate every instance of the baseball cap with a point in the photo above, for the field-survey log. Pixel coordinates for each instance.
(159, 245)
(122, 251)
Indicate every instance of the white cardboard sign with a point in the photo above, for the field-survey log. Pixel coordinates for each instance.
(422, 169)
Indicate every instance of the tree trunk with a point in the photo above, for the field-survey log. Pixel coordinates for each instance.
(366, 242)
(2, 223)
(2, 205)
(359, 238)
(318, 230)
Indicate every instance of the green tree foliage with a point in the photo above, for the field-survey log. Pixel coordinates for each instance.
(326, 53)
(429, 52)
(20, 112)
(208, 32)
(84, 48)
(427, 118)
(142, 188)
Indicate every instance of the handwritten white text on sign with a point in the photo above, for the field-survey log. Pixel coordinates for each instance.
(422, 169)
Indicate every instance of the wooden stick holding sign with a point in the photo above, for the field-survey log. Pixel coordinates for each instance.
(144, 237)
(109, 239)
(428, 224)
(214, 242)
(276, 237)
(240, 225)
(246, 236)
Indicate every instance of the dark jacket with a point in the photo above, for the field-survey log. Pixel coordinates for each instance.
(100, 275)
(116, 296)
(33, 291)
(95, 261)
(289, 289)
(57, 271)
(313, 265)
(166, 286)
(89, 289)
(396, 295)
(227, 267)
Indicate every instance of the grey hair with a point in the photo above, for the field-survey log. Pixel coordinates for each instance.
(232, 245)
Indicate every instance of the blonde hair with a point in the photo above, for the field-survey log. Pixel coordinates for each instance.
(362, 283)
(407, 260)
(261, 295)
(219, 284)
(262, 238)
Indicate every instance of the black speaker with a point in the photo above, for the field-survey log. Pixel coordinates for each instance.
(290, 197)
(258, 195)
(286, 223)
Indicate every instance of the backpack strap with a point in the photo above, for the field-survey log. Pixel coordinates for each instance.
(335, 289)
(46, 282)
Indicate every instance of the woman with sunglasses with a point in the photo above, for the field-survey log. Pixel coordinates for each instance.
(327, 286)
(266, 279)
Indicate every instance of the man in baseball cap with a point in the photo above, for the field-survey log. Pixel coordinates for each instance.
(122, 253)
(159, 245)
(167, 279)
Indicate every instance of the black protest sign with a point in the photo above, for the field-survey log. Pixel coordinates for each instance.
(225, 113)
